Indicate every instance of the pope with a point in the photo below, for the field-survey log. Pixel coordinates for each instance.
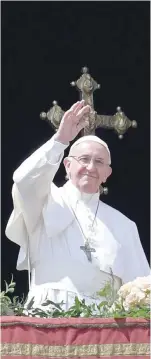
(70, 241)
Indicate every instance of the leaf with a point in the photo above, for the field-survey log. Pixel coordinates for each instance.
(2, 294)
(77, 303)
(103, 303)
(5, 299)
(57, 313)
(30, 304)
(15, 299)
(10, 290)
(12, 285)
(6, 285)
(106, 290)
(57, 305)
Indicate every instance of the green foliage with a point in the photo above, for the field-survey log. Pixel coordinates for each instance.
(109, 307)
(10, 306)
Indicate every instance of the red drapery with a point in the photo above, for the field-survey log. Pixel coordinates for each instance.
(34, 338)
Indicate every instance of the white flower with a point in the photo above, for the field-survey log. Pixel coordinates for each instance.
(125, 289)
(136, 292)
(144, 283)
(136, 297)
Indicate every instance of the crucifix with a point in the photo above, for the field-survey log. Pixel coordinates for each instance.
(86, 85)
(88, 250)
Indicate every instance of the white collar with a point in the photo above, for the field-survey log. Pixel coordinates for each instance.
(75, 195)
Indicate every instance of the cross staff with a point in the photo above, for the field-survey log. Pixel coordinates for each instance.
(86, 85)
(88, 250)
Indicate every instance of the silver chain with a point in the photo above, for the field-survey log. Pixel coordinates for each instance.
(87, 241)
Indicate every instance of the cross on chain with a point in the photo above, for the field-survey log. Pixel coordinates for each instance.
(86, 85)
(88, 250)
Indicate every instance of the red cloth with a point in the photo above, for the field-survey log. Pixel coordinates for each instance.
(25, 337)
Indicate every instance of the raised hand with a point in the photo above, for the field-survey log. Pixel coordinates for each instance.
(73, 121)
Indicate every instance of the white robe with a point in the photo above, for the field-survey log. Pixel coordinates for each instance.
(43, 225)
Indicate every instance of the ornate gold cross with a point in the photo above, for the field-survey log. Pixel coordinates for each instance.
(86, 85)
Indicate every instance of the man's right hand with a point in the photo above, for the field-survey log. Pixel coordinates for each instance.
(73, 121)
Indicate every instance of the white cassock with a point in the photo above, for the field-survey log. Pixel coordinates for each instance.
(44, 226)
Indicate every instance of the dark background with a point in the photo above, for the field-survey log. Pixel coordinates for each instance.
(44, 47)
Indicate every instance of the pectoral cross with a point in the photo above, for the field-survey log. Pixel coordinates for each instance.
(88, 250)
(86, 85)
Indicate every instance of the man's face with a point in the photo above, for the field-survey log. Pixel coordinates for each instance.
(88, 167)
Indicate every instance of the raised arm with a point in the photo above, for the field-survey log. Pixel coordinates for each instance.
(33, 178)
